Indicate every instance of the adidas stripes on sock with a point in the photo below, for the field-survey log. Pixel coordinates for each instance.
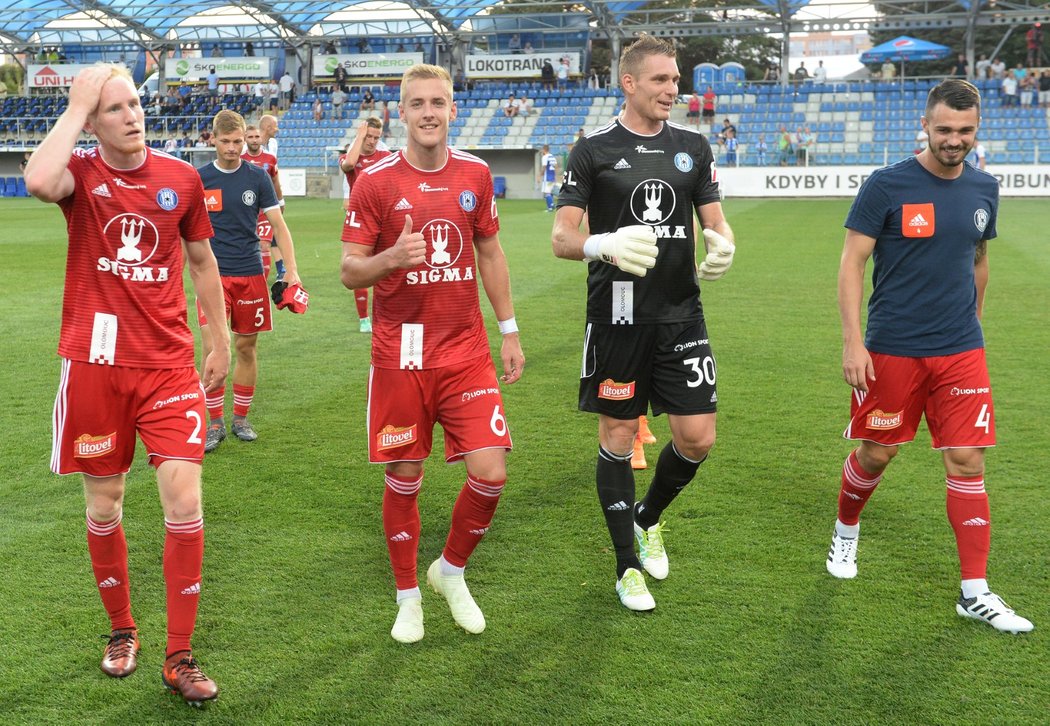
(401, 527)
(109, 561)
(857, 487)
(471, 518)
(970, 517)
(615, 481)
(183, 556)
(673, 473)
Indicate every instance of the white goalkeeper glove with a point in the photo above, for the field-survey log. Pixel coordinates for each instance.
(719, 255)
(633, 249)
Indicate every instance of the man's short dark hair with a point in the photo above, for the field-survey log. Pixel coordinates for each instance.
(955, 93)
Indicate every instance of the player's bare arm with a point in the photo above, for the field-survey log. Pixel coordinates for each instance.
(495, 277)
(567, 238)
(204, 271)
(362, 268)
(980, 274)
(47, 176)
(353, 154)
(283, 237)
(857, 367)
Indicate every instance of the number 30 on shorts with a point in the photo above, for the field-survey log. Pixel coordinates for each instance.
(704, 370)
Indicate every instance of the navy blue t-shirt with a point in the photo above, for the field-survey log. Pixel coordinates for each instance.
(234, 200)
(924, 299)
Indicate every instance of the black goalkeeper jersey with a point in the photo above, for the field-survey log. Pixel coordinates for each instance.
(622, 178)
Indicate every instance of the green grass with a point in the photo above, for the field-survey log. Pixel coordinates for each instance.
(298, 597)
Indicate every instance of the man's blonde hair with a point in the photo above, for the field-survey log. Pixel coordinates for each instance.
(422, 71)
(633, 56)
(227, 122)
(116, 70)
(374, 123)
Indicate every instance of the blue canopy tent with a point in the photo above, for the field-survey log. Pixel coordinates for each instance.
(905, 48)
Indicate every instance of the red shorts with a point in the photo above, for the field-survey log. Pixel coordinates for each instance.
(99, 409)
(247, 305)
(952, 390)
(404, 405)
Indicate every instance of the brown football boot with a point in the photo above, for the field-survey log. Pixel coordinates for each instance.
(183, 675)
(121, 656)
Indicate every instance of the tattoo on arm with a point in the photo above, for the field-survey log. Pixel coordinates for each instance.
(982, 250)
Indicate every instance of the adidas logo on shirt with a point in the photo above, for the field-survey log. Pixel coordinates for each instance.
(401, 536)
(918, 221)
(109, 582)
(976, 522)
(622, 164)
(402, 205)
(101, 190)
(194, 589)
(620, 506)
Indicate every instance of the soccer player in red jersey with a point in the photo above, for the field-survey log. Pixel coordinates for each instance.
(360, 155)
(236, 193)
(255, 154)
(127, 353)
(421, 228)
(926, 222)
(268, 129)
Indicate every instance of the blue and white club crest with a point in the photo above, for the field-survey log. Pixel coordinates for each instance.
(467, 201)
(980, 219)
(167, 199)
(248, 197)
(683, 162)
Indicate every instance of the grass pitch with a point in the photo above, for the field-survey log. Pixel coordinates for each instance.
(298, 598)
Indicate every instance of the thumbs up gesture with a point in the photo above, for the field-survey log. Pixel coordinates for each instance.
(410, 249)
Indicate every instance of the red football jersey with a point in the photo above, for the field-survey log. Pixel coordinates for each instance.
(268, 163)
(124, 302)
(363, 162)
(427, 316)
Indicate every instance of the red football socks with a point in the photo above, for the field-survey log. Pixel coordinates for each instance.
(183, 556)
(969, 516)
(109, 560)
(401, 526)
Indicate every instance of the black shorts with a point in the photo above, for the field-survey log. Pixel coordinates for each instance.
(628, 368)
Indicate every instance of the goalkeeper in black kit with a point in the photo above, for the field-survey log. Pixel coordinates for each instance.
(638, 180)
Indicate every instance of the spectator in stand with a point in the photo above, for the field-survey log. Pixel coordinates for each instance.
(185, 91)
(1044, 89)
(419, 48)
(528, 49)
(723, 134)
(525, 106)
(708, 111)
(593, 81)
(1027, 89)
(172, 102)
(265, 87)
(772, 73)
(922, 140)
(997, 69)
(547, 75)
(514, 44)
(1009, 90)
(979, 158)
(206, 137)
(368, 101)
(961, 69)
(761, 148)
(216, 51)
(510, 106)
(1034, 42)
(800, 75)
(563, 74)
(249, 50)
(259, 91)
(213, 81)
(820, 73)
(275, 95)
(171, 146)
(731, 146)
(318, 109)
(889, 71)
(340, 78)
(338, 98)
(785, 150)
(287, 86)
(804, 145)
(983, 68)
(401, 48)
(694, 108)
(1019, 72)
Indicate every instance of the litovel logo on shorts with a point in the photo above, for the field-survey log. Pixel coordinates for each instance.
(87, 446)
(392, 437)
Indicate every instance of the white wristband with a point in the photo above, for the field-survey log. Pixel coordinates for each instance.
(280, 202)
(508, 326)
(590, 247)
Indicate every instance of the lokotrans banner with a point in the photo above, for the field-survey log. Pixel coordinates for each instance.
(59, 75)
(1015, 180)
(372, 65)
(523, 65)
(197, 69)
